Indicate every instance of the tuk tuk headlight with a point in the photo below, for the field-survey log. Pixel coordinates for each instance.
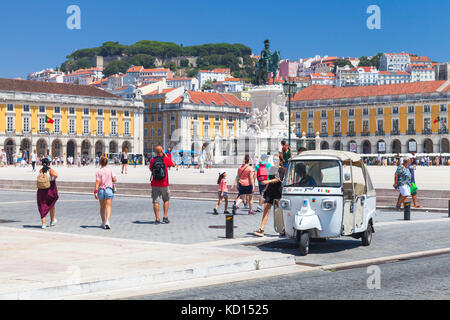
(328, 204)
(285, 204)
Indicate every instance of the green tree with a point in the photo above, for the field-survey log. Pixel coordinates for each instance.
(115, 67)
(208, 84)
(341, 63)
(375, 61)
(364, 62)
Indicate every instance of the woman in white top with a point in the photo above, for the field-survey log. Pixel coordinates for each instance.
(104, 191)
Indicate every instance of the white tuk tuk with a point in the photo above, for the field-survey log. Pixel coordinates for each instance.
(326, 194)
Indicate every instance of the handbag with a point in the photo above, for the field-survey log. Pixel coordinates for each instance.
(413, 188)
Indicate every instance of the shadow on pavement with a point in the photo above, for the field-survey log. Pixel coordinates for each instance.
(91, 227)
(32, 227)
(144, 222)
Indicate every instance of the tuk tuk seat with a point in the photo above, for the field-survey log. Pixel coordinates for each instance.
(348, 191)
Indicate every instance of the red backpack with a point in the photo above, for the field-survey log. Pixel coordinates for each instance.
(262, 174)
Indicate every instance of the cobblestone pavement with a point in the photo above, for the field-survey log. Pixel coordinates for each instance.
(193, 222)
(425, 278)
(427, 178)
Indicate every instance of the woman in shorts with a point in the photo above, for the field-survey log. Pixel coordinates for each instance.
(104, 191)
(245, 184)
(403, 181)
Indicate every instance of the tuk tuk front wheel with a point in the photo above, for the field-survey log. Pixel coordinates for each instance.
(367, 235)
(303, 243)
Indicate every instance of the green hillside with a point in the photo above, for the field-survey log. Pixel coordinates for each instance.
(147, 53)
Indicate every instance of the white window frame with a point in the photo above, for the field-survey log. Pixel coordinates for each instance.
(72, 126)
(57, 126)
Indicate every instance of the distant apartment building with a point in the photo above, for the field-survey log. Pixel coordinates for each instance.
(420, 60)
(187, 83)
(347, 76)
(326, 79)
(368, 76)
(421, 72)
(84, 76)
(288, 68)
(216, 74)
(395, 62)
(47, 75)
(229, 85)
(442, 71)
(324, 65)
(387, 77)
(147, 76)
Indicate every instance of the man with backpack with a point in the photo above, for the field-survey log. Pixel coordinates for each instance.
(160, 182)
(262, 169)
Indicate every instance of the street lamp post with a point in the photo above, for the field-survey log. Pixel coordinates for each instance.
(288, 88)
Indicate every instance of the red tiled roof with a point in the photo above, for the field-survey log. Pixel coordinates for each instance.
(51, 87)
(163, 91)
(319, 92)
(220, 99)
(155, 70)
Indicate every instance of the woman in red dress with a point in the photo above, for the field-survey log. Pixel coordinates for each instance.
(46, 198)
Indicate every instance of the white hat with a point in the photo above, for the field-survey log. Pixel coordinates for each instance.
(221, 172)
(408, 157)
(264, 157)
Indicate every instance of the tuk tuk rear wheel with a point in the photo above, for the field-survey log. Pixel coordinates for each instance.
(303, 243)
(367, 235)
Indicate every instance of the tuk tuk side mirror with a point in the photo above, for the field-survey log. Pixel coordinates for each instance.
(347, 177)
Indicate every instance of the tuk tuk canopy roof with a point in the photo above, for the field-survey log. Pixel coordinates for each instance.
(342, 155)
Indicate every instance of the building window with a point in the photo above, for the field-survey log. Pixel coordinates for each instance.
(206, 131)
(195, 116)
(411, 124)
(218, 119)
(443, 108)
(99, 127)
(380, 111)
(71, 126)
(113, 113)
(366, 126)
(427, 124)
(57, 126)
(57, 110)
(126, 126)
(159, 105)
(230, 131)
(310, 128)
(394, 110)
(145, 118)
(337, 127)
(26, 124)
(86, 126)
(153, 107)
(41, 125)
(323, 127)
(42, 109)
(297, 116)
(100, 112)
(159, 132)
(380, 125)
(324, 114)
(71, 110)
(10, 107)
(145, 133)
(230, 119)
(152, 118)
(395, 125)
(114, 127)
(426, 108)
(152, 132)
(410, 109)
(206, 117)
(351, 112)
(443, 123)
(172, 117)
(159, 118)
(365, 112)
(310, 115)
(195, 130)
(126, 113)
(26, 108)
(9, 124)
(172, 129)
(337, 113)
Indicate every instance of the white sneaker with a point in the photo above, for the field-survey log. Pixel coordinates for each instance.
(44, 226)
(107, 226)
(53, 223)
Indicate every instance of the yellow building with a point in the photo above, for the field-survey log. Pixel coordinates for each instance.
(86, 120)
(397, 118)
(188, 119)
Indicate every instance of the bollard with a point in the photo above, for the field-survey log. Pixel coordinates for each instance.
(229, 226)
(407, 215)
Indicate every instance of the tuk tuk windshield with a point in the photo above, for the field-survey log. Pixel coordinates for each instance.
(313, 173)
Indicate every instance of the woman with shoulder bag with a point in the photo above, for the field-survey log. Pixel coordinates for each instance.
(104, 191)
(47, 193)
(245, 183)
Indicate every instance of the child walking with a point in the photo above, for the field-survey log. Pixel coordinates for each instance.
(223, 192)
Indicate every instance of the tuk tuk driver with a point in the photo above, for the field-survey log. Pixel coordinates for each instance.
(303, 179)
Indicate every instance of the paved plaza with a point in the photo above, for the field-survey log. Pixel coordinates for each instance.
(135, 250)
(428, 178)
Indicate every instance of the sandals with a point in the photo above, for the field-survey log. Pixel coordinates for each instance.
(259, 232)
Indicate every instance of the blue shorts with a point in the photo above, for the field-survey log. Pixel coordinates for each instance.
(104, 194)
(225, 194)
(262, 188)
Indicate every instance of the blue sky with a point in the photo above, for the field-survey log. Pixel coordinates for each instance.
(34, 36)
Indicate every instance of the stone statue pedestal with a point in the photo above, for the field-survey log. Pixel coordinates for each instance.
(268, 124)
